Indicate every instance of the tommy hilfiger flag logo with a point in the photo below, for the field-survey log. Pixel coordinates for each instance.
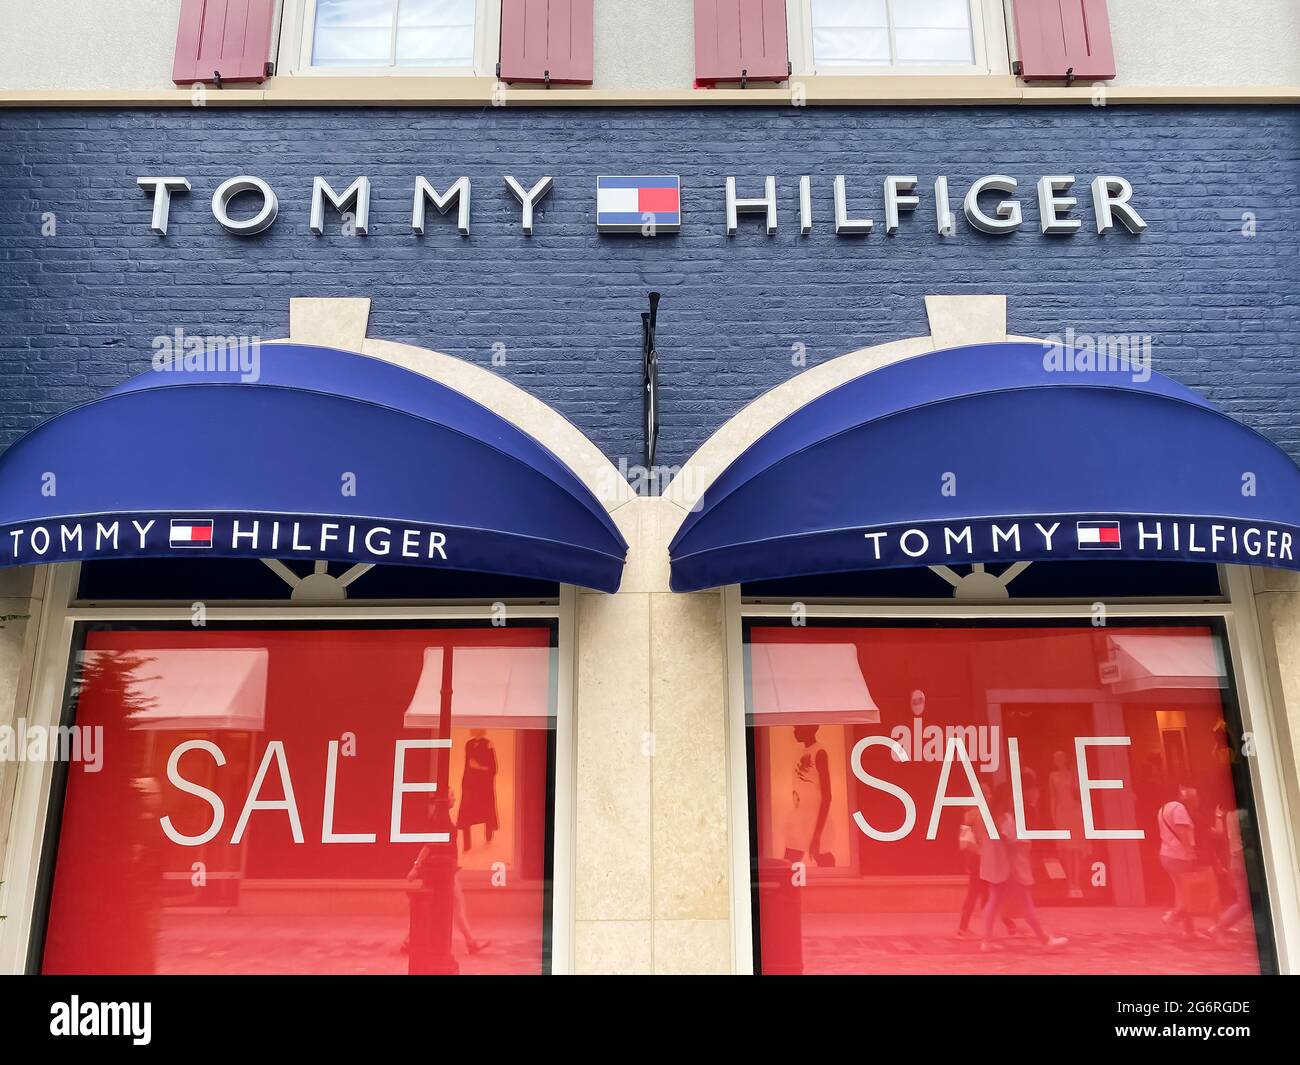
(192, 532)
(1098, 535)
(647, 205)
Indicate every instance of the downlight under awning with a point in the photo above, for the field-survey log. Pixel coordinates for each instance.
(994, 453)
(316, 454)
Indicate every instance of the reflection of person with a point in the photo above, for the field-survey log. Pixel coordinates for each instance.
(1178, 853)
(974, 835)
(810, 796)
(1067, 813)
(422, 872)
(1229, 825)
(478, 805)
(1004, 863)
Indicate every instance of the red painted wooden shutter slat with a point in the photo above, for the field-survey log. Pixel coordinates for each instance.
(229, 36)
(541, 38)
(737, 39)
(1054, 36)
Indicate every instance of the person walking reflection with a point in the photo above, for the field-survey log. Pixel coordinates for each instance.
(1004, 863)
(971, 840)
(1178, 854)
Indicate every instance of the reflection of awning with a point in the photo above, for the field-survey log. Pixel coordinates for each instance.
(1145, 662)
(318, 454)
(809, 683)
(994, 453)
(491, 687)
(200, 689)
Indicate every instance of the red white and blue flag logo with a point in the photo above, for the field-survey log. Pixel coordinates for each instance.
(191, 532)
(646, 205)
(1098, 535)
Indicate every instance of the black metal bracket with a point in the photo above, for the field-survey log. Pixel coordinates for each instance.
(650, 378)
(744, 78)
(216, 78)
(546, 77)
(1069, 77)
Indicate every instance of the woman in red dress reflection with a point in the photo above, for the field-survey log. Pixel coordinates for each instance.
(422, 872)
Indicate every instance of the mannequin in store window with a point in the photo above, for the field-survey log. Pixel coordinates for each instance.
(478, 794)
(1067, 813)
(806, 828)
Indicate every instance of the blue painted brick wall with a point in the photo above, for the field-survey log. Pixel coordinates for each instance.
(78, 309)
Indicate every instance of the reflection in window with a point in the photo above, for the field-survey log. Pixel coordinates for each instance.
(864, 33)
(264, 803)
(386, 33)
(1001, 799)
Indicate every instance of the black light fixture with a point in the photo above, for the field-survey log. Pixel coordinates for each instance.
(650, 378)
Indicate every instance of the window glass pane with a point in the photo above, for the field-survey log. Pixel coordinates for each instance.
(435, 33)
(850, 32)
(353, 33)
(849, 13)
(857, 32)
(951, 14)
(863, 867)
(326, 882)
(922, 46)
(850, 47)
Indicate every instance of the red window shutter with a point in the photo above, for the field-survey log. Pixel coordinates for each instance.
(543, 39)
(230, 37)
(737, 39)
(1054, 37)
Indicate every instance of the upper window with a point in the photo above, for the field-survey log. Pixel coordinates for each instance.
(882, 36)
(396, 36)
(393, 33)
(863, 33)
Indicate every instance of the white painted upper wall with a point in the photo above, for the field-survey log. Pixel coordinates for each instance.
(1206, 42)
(643, 45)
(128, 44)
(87, 44)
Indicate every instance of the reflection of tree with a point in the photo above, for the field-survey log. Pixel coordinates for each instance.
(123, 860)
(108, 676)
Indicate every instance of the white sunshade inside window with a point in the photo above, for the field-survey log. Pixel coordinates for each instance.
(816, 684)
(199, 688)
(501, 687)
(857, 33)
(383, 33)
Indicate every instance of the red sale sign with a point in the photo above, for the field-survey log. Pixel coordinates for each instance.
(1048, 798)
(329, 800)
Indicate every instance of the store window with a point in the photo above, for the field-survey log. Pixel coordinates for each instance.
(394, 36)
(849, 36)
(1001, 797)
(319, 798)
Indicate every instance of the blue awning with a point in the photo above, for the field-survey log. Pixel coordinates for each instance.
(318, 454)
(994, 453)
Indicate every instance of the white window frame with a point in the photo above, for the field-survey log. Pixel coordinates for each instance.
(988, 39)
(299, 23)
(1241, 622)
(29, 814)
